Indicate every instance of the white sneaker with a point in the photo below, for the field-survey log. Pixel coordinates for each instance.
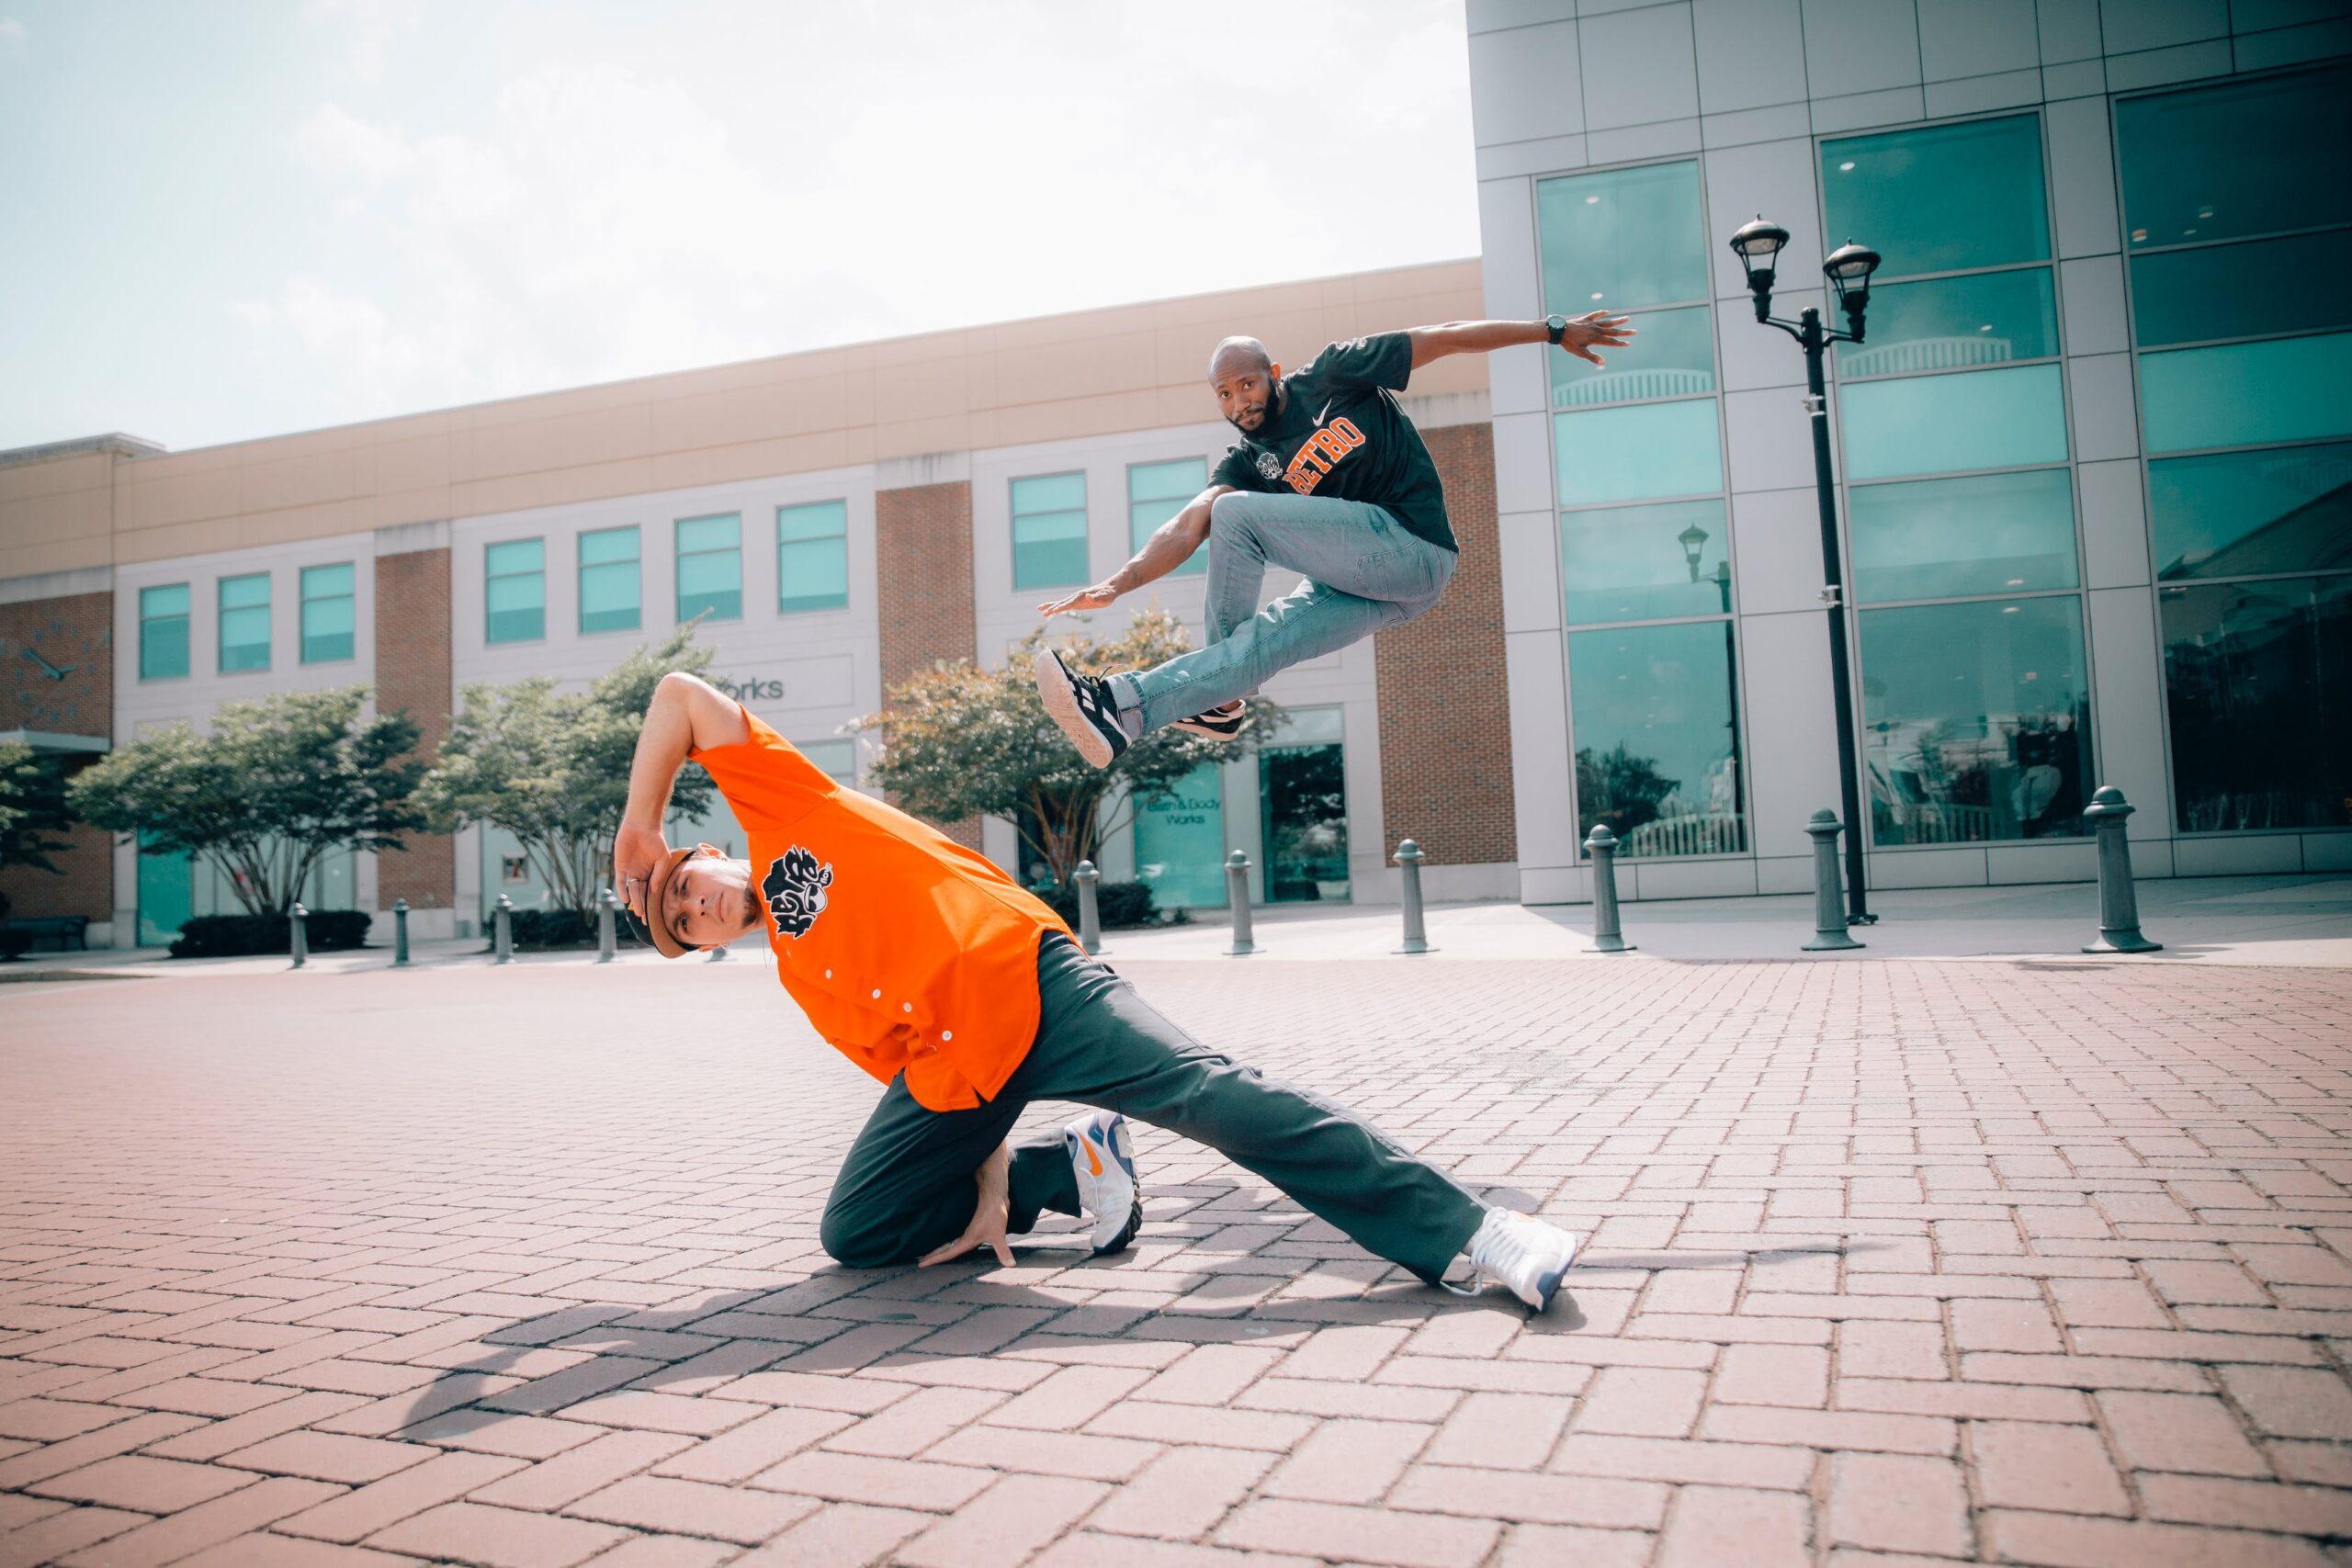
(1102, 1155)
(1523, 1254)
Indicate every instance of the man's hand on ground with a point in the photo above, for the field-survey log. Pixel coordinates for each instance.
(1597, 329)
(995, 1207)
(637, 852)
(1096, 598)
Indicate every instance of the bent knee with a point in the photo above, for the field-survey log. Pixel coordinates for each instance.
(853, 1245)
(1229, 510)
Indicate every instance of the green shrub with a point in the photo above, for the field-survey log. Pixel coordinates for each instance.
(546, 931)
(1121, 905)
(232, 936)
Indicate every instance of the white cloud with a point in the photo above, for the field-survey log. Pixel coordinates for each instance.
(837, 173)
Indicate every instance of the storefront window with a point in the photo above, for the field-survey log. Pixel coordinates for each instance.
(2261, 706)
(1944, 424)
(1672, 355)
(1303, 810)
(1951, 323)
(2258, 514)
(1657, 751)
(1180, 841)
(1622, 239)
(2296, 389)
(1647, 452)
(1941, 197)
(1646, 563)
(1976, 720)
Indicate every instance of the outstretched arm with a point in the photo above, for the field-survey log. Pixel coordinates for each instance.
(1169, 546)
(1598, 329)
(687, 714)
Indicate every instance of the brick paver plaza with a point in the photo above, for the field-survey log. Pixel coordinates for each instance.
(1890, 1262)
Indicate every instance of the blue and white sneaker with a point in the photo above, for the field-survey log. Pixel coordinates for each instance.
(1103, 1155)
(1081, 704)
(1523, 1254)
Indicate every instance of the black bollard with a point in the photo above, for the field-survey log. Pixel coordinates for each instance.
(1829, 933)
(1608, 936)
(298, 936)
(400, 933)
(501, 926)
(605, 904)
(2119, 899)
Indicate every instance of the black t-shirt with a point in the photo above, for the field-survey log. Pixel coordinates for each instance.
(1341, 432)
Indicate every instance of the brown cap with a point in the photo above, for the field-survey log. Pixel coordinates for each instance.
(657, 917)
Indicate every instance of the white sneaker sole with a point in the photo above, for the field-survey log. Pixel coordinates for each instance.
(1547, 1285)
(1053, 690)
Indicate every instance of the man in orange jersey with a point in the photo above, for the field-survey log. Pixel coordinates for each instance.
(934, 972)
(1330, 480)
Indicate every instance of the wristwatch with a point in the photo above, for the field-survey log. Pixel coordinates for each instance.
(1556, 325)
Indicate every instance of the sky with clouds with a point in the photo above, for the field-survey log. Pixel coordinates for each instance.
(234, 220)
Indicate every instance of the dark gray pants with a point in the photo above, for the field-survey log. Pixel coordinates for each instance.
(907, 1185)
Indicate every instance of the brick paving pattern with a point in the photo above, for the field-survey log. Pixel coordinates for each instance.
(1890, 1263)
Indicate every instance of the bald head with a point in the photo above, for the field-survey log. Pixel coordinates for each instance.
(1238, 354)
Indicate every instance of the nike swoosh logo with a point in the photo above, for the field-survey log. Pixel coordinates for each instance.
(1092, 1157)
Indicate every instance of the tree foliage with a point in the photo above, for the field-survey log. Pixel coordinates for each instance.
(32, 806)
(960, 742)
(551, 767)
(275, 786)
(1620, 789)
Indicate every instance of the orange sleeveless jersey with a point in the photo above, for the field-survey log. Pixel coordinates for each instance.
(908, 951)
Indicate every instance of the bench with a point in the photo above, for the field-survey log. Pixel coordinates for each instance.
(70, 930)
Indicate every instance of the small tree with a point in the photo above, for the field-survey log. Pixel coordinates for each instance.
(551, 767)
(277, 785)
(32, 806)
(961, 742)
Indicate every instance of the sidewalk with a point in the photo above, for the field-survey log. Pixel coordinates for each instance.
(2291, 921)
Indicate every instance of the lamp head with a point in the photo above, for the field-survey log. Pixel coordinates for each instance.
(1757, 245)
(1848, 270)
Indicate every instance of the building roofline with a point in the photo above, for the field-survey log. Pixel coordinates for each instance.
(114, 441)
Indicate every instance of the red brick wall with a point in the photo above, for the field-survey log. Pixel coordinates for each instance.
(74, 633)
(924, 538)
(1445, 706)
(412, 673)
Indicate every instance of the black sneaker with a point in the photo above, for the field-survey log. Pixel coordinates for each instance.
(1217, 723)
(1081, 704)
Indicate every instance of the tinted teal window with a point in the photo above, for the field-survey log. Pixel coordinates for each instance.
(245, 623)
(1949, 323)
(610, 586)
(1933, 425)
(1644, 563)
(710, 567)
(1940, 198)
(2242, 158)
(1672, 356)
(2241, 393)
(1303, 817)
(1158, 491)
(1976, 721)
(515, 590)
(1946, 538)
(1049, 531)
(812, 556)
(2252, 514)
(2255, 289)
(1180, 841)
(329, 620)
(2261, 710)
(1638, 454)
(1657, 737)
(163, 632)
(1626, 238)
(166, 894)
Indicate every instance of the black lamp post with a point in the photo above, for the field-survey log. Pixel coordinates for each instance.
(1848, 270)
(1693, 540)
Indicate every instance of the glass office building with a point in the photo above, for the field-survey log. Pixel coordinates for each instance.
(2091, 460)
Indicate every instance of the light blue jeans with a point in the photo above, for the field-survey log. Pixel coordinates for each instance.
(1363, 569)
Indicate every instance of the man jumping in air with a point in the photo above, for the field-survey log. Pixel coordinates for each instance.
(931, 970)
(1329, 479)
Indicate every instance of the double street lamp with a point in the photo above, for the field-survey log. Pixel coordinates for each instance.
(1848, 270)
